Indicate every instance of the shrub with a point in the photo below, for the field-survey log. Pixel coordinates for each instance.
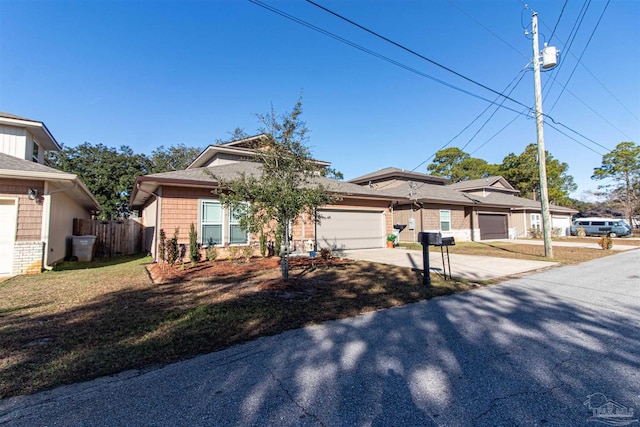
(278, 244)
(263, 245)
(605, 242)
(247, 253)
(173, 248)
(212, 253)
(535, 233)
(194, 248)
(325, 253)
(232, 252)
(161, 246)
(581, 232)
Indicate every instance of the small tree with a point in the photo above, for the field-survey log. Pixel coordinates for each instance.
(287, 184)
(263, 244)
(194, 249)
(161, 246)
(622, 165)
(173, 249)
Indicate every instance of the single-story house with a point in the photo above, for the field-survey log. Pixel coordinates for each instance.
(481, 209)
(362, 218)
(37, 203)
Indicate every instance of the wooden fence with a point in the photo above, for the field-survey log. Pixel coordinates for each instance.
(113, 238)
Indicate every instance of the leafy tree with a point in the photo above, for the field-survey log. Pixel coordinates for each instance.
(174, 158)
(622, 166)
(287, 184)
(107, 172)
(456, 165)
(522, 172)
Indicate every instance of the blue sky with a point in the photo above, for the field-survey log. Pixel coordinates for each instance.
(150, 73)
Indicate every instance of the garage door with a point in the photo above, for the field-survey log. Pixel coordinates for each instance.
(346, 229)
(492, 226)
(561, 223)
(8, 213)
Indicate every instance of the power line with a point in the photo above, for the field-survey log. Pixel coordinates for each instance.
(520, 74)
(406, 49)
(399, 64)
(488, 29)
(572, 138)
(582, 54)
(558, 21)
(373, 53)
(572, 37)
(627, 109)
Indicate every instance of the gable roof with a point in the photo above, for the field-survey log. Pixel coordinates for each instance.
(14, 168)
(206, 177)
(241, 147)
(391, 172)
(485, 183)
(38, 129)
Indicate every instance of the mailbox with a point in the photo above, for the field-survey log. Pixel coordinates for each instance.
(427, 238)
(448, 241)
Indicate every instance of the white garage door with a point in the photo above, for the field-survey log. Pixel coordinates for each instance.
(346, 229)
(8, 216)
(562, 223)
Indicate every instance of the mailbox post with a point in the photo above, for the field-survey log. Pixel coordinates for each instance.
(426, 239)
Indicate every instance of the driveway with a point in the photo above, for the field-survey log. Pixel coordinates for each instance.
(470, 267)
(529, 351)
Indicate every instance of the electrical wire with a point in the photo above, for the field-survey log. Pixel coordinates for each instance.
(452, 3)
(555, 27)
(376, 54)
(567, 49)
(582, 54)
(406, 49)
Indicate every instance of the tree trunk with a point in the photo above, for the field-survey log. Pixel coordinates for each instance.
(284, 255)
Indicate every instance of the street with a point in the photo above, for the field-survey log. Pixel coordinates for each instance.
(539, 350)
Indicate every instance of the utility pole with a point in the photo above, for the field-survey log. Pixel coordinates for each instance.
(542, 162)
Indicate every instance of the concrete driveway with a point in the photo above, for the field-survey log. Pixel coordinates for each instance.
(470, 267)
(530, 351)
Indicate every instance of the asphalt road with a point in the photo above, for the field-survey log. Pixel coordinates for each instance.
(525, 352)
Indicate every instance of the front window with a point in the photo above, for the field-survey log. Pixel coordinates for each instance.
(237, 236)
(36, 152)
(211, 221)
(445, 220)
(216, 229)
(535, 221)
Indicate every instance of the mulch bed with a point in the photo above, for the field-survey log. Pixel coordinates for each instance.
(163, 273)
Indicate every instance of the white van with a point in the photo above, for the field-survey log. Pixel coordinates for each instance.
(600, 226)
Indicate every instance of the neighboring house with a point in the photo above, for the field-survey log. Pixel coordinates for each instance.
(175, 200)
(481, 209)
(37, 203)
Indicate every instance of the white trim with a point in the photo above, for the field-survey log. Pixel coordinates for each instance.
(16, 202)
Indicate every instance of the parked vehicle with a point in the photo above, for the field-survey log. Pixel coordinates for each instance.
(600, 226)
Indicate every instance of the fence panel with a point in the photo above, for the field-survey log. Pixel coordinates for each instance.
(113, 238)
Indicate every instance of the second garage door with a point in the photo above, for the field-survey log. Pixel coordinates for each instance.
(347, 229)
(492, 226)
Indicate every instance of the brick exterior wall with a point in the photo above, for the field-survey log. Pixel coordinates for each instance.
(27, 257)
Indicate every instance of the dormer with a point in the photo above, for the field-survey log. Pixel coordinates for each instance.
(233, 152)
(484, 186)
(394, 177)
(25, 139)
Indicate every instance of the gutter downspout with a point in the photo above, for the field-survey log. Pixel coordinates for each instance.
(156, 229)
(46, 224)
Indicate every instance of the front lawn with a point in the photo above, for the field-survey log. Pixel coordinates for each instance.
(67, 326)
(80, 323)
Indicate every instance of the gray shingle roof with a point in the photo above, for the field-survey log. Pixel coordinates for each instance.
(397, 172)
(233, 170)
(8, 162)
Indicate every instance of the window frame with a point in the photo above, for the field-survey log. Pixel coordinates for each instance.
(231, 223)
(536, 221)
(202, 223)
(447, 221)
